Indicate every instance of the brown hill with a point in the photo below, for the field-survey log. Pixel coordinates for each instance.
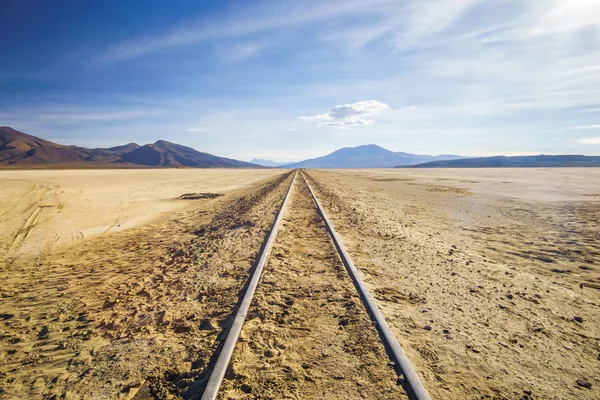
(112, 154)
(126, 148)
(18, 148)
(167, 154)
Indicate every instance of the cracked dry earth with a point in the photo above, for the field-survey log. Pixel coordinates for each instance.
(490, 279)
(307, 335)
(137, 313)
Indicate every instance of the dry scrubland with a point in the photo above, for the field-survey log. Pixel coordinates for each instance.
(115, 288)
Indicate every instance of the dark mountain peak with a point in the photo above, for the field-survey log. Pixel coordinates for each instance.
(125, 148)
(365, 156)
(162, 143)
(7, 129)
(371, 146)
(11, 134)
(166, 154)
(129, 145)
(361, 150)
(20, 148)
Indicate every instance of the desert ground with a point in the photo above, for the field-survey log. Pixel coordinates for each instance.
(307, 335)
(116, 287)
(41, 210)
(110, 280)
(489, 277)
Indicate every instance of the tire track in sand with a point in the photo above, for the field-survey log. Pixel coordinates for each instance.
(37, 195)
(308, 335)
(139, 310)
(24, 231)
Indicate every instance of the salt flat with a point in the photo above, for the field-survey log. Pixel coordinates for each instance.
(112, 285)
(43, 210)
(138, 287)
(489, 277)
(547, 184)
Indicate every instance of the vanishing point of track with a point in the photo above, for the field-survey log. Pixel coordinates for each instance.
(408, 377)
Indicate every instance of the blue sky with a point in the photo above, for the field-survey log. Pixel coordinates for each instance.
(288, 80)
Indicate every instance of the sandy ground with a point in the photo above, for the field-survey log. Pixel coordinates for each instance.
(137, 312)
(41, 210)
(113, 288)
(489, 278)
(308, 335)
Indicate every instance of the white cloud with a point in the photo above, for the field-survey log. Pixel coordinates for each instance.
(349, 115)
(585, 127)
(360, 108)
(346, 123)
(595, 140)
(316, 117)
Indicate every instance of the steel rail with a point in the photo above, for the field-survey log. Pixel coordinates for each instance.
(213, 385)
(412, 384)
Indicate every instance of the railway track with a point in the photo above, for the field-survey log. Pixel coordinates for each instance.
(307, 326)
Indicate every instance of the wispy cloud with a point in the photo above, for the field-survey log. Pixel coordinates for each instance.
(568, 15)
(349, 115)
(318, 117)
(520, 74)
(594, 140)
(585, 127)
(262, 18)
(242, 51)
(427, 19)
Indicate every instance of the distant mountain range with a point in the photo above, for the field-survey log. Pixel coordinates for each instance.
(18, 148)
(367, 156)
(539, 161)
(267, 163)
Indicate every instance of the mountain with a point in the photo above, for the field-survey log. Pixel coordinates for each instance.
(109, 155)
(516, 162)
(267, 163)
(18, 148)
(167, 154)
(126, 148)
(366, 156)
